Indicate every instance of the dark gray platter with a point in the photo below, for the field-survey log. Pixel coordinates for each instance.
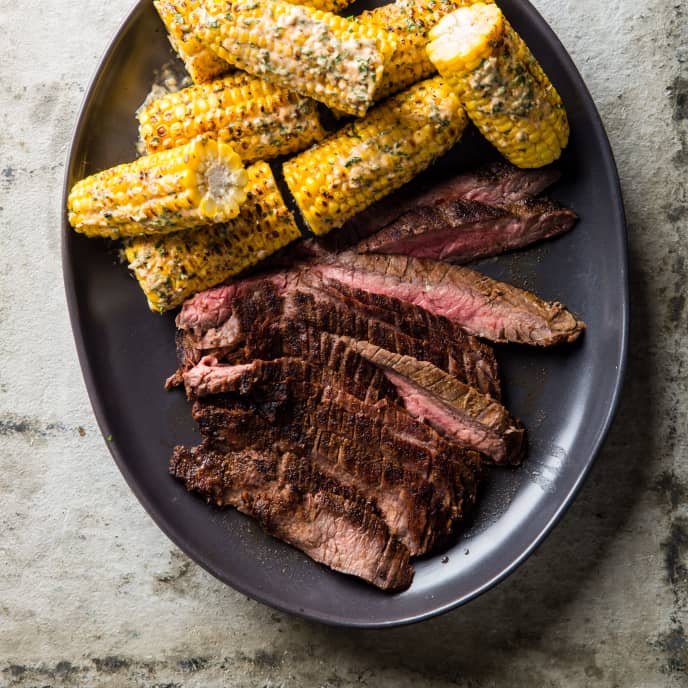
(566, 397)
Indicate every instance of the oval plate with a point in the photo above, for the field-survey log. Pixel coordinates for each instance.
(566, 396)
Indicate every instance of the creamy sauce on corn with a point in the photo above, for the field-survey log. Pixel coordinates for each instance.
(338, 69)
(511, 88)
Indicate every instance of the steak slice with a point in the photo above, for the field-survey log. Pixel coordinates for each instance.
(461, 231)
(495, 184)
(295, 502)
(327, 360)
(453, 408)
(274, 316)
(422, 484)
(483, 306)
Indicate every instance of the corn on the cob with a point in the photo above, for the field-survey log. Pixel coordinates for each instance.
(185, 187)
(503, 87)
(409, 22)
(341, 176)
(336, 61)
(173, 267)
(259, 120)
(201, 63)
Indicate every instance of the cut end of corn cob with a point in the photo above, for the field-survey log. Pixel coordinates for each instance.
(220, 179)
(409, 22)
(201, 63)
(367, 159)
(317, 54)
(173, 267)
(503, 87)
(203, 181)
(259, 120)
(466, 38)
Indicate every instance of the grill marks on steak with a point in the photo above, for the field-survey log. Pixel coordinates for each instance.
(299, 504)
(371, 374)
(453, 408)
(461, 231)
(277, 314)
(422, 483)
(481, 305)
(325, 360)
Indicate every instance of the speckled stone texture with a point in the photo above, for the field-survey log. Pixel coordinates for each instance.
(93, 594)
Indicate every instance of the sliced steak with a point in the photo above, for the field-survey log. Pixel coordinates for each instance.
(295, 502)
(461, 231)
(451, 407)
(273, 316)
(495, 184)
(422, 484)
(327, 360)
(483, 306)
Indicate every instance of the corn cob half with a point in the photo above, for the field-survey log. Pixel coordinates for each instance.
(259, 120)
(503, 87)
(409, 22)
(201, 63)
(185, 187)
(171, 268)
(336, 61)
(367, 159)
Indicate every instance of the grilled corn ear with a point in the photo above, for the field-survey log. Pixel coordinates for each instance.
(409, 22)
(336, 61)
(201, 63)
(182, 188)
(367, 159)
(502, 86)
(171, 268)
(259, 120)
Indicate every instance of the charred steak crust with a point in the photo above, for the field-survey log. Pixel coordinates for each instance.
(295, 502)
(481, 305)
(453, 408)
(423, 483)
(372, 374)
(329, 360)
(272, 316)
(461, 231)
(437, 339)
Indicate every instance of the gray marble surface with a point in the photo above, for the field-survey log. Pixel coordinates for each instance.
(93, 594)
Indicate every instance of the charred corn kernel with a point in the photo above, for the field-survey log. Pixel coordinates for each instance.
(336, 61)
(502, 86)
(171, 268)
(201, 63)
(185, 187)
(409, 22)
(367, 159)
(259, 120)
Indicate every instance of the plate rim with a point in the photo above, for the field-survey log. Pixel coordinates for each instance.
(159, 518)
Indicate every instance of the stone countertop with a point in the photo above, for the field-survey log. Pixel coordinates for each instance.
(93, 594)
